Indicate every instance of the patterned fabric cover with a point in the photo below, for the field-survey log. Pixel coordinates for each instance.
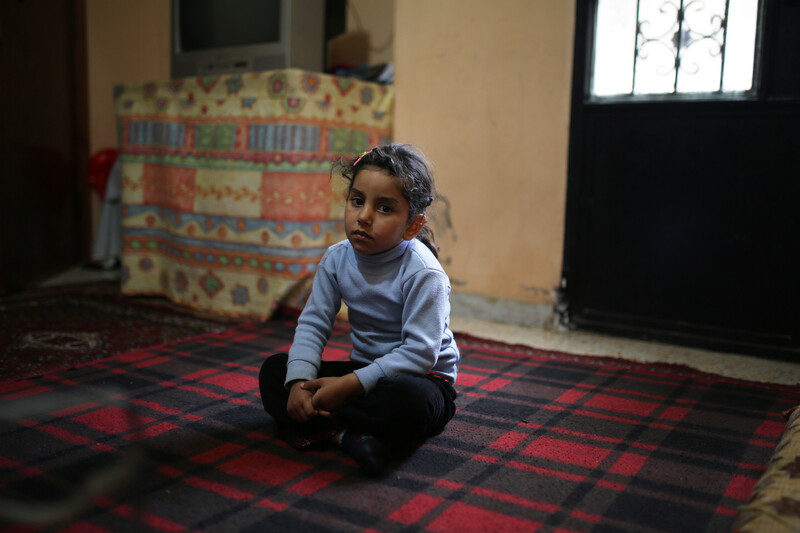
(228, 203)
(774, 504)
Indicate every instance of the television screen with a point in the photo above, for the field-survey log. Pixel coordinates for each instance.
(211, 37)
(211, 24)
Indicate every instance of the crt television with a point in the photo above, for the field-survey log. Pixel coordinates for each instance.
(227, 36)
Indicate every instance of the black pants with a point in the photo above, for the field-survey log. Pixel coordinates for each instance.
(401, 411)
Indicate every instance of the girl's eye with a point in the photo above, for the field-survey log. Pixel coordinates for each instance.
(384, 209)
(356, 201)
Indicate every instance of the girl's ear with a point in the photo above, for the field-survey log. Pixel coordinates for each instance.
(414, 227)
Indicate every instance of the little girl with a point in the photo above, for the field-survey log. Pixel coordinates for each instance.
(397, 388)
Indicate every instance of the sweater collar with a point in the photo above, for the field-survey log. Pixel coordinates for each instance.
(383, 257)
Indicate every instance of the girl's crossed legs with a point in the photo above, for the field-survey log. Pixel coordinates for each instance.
(401, 411)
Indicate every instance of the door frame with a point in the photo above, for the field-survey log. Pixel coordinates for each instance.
(72, 14)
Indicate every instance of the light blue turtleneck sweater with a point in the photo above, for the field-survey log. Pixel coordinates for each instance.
(399, 311)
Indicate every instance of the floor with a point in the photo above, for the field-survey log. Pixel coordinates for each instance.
(577, 342)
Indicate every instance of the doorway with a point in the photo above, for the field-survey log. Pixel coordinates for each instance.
(44, 213)
(681, 219)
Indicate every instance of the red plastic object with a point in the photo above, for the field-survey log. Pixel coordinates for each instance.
(100, 166)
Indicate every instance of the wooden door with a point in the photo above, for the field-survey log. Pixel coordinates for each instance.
(43, 140)
(682, 218)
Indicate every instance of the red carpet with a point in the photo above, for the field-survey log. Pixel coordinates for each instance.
(49, 329)
(542, 442)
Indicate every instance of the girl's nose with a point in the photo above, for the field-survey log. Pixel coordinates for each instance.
(364, 215)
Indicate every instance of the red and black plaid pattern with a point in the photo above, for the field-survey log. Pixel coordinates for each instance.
(542, 442)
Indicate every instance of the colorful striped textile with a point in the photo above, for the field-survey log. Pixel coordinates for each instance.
(174, 438)
(228, 202)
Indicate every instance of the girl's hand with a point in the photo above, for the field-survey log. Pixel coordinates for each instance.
(300, 406)
(330, 393)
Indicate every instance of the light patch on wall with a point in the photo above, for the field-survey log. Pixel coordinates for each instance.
(536, 290)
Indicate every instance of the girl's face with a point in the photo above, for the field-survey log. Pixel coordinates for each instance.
(376, 214)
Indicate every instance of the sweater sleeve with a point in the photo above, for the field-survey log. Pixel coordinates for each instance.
(315, 324)
(424, 317)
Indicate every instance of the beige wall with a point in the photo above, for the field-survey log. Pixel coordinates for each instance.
(127, 42)
(376, 17)
(484, 89)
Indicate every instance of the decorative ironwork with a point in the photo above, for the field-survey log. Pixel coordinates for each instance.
(683, 27)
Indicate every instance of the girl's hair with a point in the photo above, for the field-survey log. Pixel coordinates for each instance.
(410, 167)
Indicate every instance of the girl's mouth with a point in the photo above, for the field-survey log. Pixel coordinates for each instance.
(360, 235)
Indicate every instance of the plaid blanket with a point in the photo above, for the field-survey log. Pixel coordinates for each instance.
(174, 438)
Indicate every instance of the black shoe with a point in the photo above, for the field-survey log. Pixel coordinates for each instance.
(369, 452)
(313, 436)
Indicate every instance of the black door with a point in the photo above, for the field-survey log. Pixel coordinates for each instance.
(43, 226)
(683, 214)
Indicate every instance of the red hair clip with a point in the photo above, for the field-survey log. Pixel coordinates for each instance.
(361, 157)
